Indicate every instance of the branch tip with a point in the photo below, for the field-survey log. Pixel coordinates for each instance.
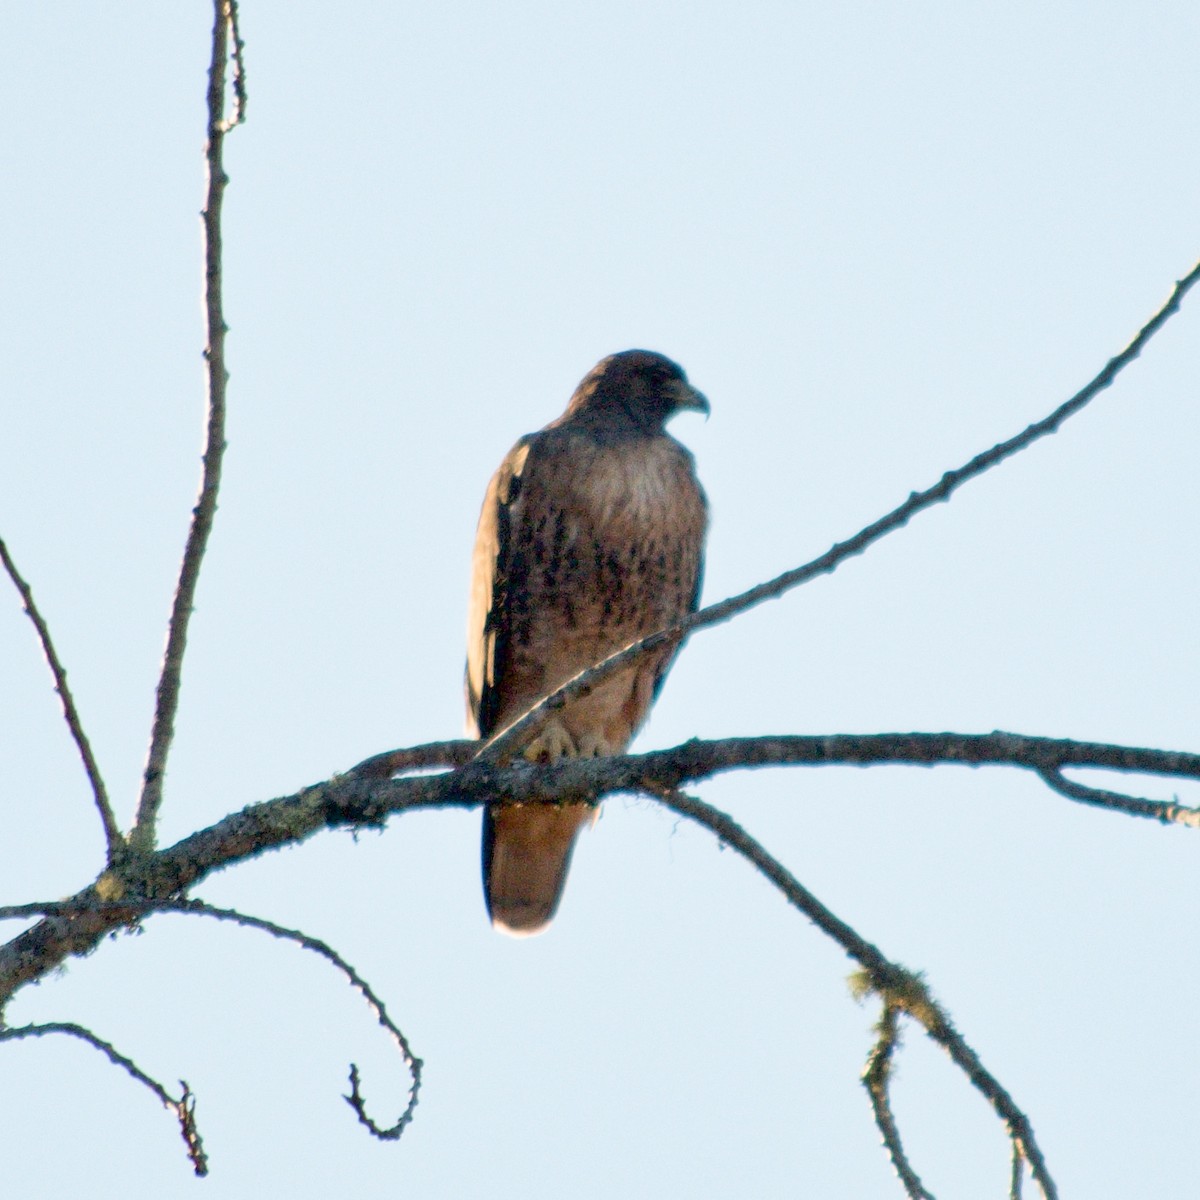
(184, 1107)
(114, 842)
(225, 25)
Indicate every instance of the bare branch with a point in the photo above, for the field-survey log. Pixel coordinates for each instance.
(142, 835)
(127, 911)
(348, 801)
(1135, 806)
(238, 74)
(184, 1108)
(510, 739)
(355, 1099)
(697, 760)
(1018, 1173)
(896, 986)
(455, 753)
(112, 833)
(875, 1078)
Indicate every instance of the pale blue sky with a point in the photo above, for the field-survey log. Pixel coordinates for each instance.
(880, 238)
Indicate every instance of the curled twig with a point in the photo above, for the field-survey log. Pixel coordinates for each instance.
(184, 1107)
(112, 834)
(507, 741)
(355, 1100)
(898, 988)
(126, 909)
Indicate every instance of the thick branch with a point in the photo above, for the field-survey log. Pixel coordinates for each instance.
(167, 701)
(511, 739)
(184, 1108)
(697, 760)
(348, 801)
(112, 834)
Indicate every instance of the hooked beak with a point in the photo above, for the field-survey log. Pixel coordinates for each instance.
(688, 398)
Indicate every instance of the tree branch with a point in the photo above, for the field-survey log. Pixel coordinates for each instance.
(376, 1005)
(898, 988)
(1135, 806)
(695, 760)
(129, 912)
(238, 73)
(512, 738)
(876, 1078)
(455, 753)
(184, 1108)
(142, 835)
(348, 801)
(112, 833)
(1018, 1173)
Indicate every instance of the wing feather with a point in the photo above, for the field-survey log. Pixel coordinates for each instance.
(489, 614)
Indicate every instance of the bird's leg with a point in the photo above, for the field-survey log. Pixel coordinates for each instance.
(554, 742)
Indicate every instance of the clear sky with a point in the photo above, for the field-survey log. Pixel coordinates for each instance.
(880, 238)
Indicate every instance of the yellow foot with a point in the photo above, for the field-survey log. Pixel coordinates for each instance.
(552, 743)
(593, 745)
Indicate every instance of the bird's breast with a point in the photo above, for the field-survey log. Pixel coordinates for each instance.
(632, 487)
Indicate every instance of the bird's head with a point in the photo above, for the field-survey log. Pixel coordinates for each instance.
(638, 389)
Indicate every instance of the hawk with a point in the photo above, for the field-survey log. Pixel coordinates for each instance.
(591, 536)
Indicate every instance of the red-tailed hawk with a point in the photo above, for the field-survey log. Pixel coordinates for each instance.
(591, 536)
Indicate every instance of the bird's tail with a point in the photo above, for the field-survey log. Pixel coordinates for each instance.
(526, 853)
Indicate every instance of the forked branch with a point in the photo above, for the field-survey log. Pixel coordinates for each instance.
(127, 912)
(900, 989)
(184, 1107)
(353, 801)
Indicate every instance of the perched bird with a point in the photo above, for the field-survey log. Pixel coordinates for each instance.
(591, 536)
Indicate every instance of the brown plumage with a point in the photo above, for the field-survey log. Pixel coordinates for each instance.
(591, 536)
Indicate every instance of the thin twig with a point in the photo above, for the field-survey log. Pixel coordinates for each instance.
(184, 1108)
(167, 698)
(1018, 1172)
(238, 74)
(894, 984)
(876, 1078)
(455, 753)
(355, 1099)
(112, 833)
(1135, 806)
(141, 909)
(512, 738)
